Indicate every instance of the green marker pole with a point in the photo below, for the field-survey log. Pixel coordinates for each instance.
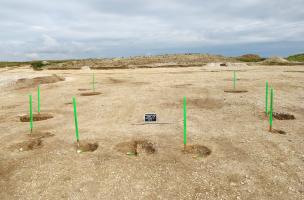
(185, 123)
(234, 79)
(271, 110)
(266, 99)
(31, 113)
(76, 120)
(38, 98)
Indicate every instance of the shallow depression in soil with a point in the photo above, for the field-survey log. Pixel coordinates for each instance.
(136, 147)
(83, 89)
(40, 134)
(34, 82)
(235, 91)
(90, 93)
(28, 145)
(84, 146)
(283, 116)
(197, 150)
(36, 117)
(276, 131)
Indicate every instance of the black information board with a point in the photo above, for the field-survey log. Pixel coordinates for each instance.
(150, 117)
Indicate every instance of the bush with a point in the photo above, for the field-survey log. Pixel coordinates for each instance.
(250, 58)
(296, 58)
(37, 65)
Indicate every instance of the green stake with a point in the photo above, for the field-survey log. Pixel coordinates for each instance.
(76, 121)
(185, 123)
(31, 113)
(38, 98)
(266, 99)
(234, 79)
(271, 110)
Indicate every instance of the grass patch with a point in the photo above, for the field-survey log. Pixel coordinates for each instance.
(296, 58)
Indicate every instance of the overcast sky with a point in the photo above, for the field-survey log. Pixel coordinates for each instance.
(60, 29)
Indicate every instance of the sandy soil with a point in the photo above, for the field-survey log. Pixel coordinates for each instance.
(242, 159)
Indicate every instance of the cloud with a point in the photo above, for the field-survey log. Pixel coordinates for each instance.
(49, 41)
(32, 56)
(94, 28)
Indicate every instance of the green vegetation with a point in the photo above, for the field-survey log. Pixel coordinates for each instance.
(11, 64)
(250, 58)
(296, 58)
(37, 65)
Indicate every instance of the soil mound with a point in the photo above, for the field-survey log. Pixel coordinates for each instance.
(36, 117)
(136, 147)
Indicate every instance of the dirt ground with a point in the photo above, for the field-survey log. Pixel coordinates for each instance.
(134, 160)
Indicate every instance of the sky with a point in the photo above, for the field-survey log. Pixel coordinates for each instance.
(76, 29)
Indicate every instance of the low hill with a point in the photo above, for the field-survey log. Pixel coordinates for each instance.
(250, 58)
(275, 60)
